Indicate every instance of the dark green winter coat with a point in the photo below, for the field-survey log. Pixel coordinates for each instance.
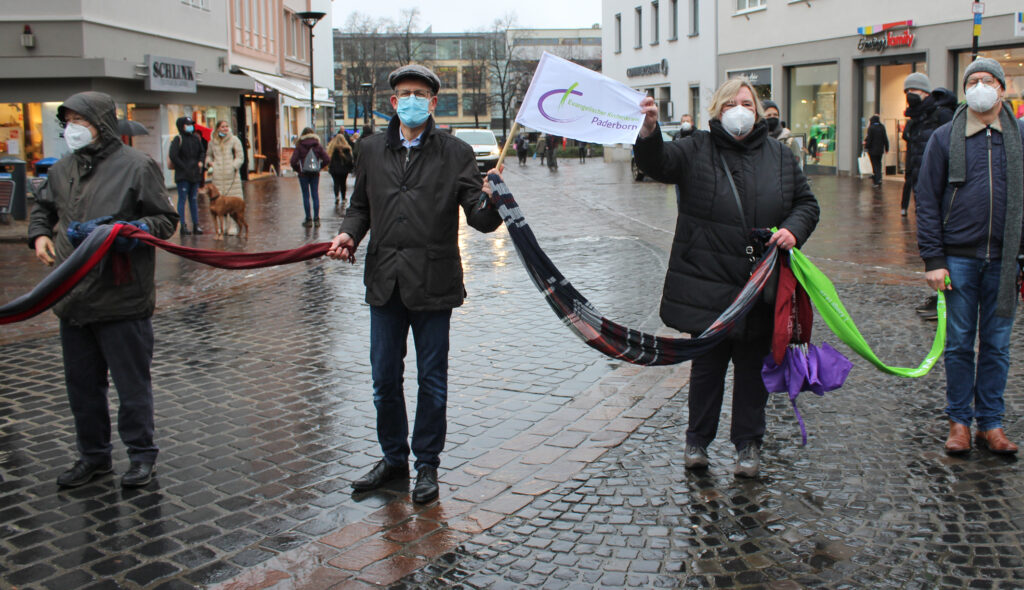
(104, 178)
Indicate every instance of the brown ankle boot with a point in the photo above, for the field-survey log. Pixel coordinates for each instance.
(995, 440)
(959, 440)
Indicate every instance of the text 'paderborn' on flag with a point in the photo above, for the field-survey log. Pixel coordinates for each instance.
(572, 101)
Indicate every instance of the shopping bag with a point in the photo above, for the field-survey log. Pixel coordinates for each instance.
(864, 164)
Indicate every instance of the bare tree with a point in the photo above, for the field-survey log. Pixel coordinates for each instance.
(507, 77)
(474, 76)
(363, 53)
(406, 43)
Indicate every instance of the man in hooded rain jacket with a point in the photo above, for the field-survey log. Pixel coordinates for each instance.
(105, 320)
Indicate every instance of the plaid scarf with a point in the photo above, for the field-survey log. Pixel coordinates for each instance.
(608, 337)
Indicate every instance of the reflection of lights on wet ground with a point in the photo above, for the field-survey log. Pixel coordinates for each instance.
(498, 246)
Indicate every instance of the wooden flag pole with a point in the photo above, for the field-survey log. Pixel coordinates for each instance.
(508, 142)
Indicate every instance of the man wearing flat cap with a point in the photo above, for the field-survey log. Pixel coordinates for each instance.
(970, 213)
(410, 182)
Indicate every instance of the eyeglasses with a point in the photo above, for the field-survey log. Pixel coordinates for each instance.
(416, 93)
(986, 80)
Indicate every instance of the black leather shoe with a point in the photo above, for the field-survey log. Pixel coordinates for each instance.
(426, 485)
(139, 474)
(82, 472)
(197, 230)
(382, 473)
(184, 230)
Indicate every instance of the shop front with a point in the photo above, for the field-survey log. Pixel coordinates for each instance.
(881, 83)
(813, 113)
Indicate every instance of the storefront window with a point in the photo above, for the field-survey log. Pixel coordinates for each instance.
(812, 110)
(759, 78)
(1012, 60)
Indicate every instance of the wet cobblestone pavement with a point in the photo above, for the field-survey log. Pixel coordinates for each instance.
(563, 469)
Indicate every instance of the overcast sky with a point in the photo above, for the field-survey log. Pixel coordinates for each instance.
(456, 16)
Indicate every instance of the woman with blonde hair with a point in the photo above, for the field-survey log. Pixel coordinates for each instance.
(340, 151)
(730, 181)
(224, 158)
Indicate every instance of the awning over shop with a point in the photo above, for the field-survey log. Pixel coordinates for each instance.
(293, 92)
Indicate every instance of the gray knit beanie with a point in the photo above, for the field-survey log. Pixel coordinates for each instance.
(986, 64)
(917, 81)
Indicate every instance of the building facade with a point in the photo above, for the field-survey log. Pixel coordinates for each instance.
(159, 61)
(465, 62)
(665, 48)
(830, 66)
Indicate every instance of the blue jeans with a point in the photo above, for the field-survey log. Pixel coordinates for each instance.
(310, 184)
(187, 192)
(389, 330)
(971, 310)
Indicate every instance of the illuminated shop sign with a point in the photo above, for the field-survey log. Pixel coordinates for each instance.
(888, 36)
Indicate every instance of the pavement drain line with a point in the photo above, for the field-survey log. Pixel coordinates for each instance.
(596, 420)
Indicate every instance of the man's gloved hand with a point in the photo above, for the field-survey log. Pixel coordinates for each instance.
(123, 244)
(79, 230)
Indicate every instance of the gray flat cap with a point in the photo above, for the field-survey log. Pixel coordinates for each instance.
(415, 71)
(987, 65)
(917, 81)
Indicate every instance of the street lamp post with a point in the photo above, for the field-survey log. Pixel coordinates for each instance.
(310, 19)
(367, 87)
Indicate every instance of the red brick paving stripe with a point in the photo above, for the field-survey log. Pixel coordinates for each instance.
(437, 544)
(359, 556)
(481, 493)
(351, 534)
(411, 530)
(391, 570)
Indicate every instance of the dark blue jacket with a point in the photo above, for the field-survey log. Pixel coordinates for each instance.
(966, 220)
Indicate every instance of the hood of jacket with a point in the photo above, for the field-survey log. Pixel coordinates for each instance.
(309, 139)
(97, 108)
(181, 122)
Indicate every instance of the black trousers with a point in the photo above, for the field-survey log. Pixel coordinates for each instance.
(908, 189)
(749, 396)
(340, 186)
(125, 349)
(876, 168)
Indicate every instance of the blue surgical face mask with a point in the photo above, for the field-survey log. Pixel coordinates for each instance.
(222, 134)
(189, 128)
(413, 110)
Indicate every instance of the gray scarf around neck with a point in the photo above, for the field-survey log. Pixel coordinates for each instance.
(1014, 150)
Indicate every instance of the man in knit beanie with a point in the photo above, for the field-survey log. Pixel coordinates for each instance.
(927, 109)
(970, 213)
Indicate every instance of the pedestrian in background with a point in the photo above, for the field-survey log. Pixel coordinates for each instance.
(776, 128)
(308, 159)
(554, 142)
(224, 159)
(686, 127)
(542, 147)
(522, 148)
(582, 146)
(730, 181)
(105, 321)
(410, 183)
(927, 109)
(339, 150)
(972, 241)
(188, 157)
(876, 144)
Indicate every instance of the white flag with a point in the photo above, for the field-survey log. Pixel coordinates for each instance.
(569, 100)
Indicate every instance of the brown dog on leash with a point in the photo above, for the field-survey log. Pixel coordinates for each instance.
(222, 207)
